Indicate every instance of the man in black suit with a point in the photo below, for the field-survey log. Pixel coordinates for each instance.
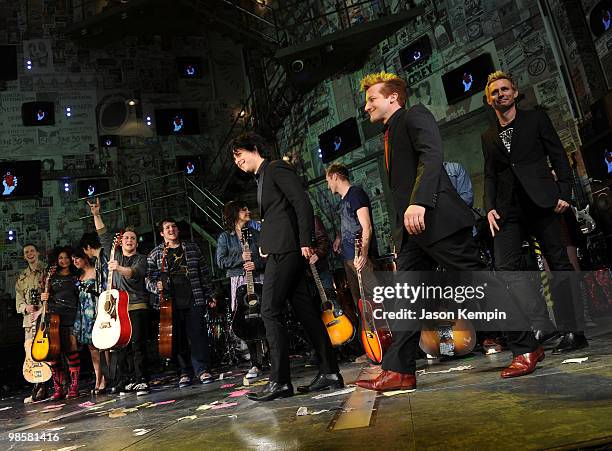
(286, 238)
(432, 224)
(522, 197)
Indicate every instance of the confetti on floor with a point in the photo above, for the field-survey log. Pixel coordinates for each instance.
(336, 393)
(189, 417)
(238, 393)
(224, 405)
(575, 360)
(398, 392)
(228, 385)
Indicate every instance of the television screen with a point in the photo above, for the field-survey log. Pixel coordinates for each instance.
(189, 67)
(8, 62)
(597, 158)
(177, 122)
(191, 165)
(600, 18)
(417, 52)
(20, 179)
(109, 141)
(467, 79)
(38, 113)
(339, 140)
(92, 187)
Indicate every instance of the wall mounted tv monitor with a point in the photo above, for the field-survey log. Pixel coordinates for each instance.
(182, 121)
(188, 67)
(467, 79)
(8, 62)
(600, 18)
(20, 179)
(92, 187)
(339, 140)
(38, 113)
(191, 165)
(416, 52)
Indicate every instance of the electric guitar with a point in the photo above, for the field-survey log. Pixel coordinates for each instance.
(34, 372)
(46, 343)
(375, 340)
(112, 328)
(165, 317)
(339, 327)
(247, 322)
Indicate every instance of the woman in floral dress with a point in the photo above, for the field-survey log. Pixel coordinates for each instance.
(86, 313)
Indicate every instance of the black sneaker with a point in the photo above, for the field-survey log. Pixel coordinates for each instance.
(128, 388)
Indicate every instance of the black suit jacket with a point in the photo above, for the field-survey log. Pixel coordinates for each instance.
(286, 212)
(417, 176)
(533, 139)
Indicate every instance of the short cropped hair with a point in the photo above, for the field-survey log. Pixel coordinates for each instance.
(29, 244)
(391, 84)
(497, 75)
(339, 169)
(160, 224)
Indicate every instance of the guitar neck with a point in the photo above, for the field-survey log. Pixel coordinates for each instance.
(249, 274)
(109, 279)
(318, 282)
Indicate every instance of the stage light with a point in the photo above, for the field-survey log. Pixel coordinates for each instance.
(11, 235)
(132, 102)
(320, 154)
(149, 121)
(29, 64)
(66, 187)
(68, 111)
(242, 113)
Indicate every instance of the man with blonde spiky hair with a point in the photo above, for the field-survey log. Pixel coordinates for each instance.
(522, 197)
(432, 224)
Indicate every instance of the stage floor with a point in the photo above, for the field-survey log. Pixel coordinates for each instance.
(560, 406)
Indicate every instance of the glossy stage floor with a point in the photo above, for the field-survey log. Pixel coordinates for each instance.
(459, 404)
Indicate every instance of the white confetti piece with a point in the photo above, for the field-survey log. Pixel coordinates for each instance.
(188, 417)
(457, 368)
(575, 360)
(336, 393)
(398, 392)
(141, 431)
(5, 408)
(319, 412)
(204, 407)
(301, 412)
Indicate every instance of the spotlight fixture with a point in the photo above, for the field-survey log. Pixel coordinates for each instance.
(320, 154)
(68, 111)
(149, 121)
(132, 102)
(11, 236)
(66, 187)
(297, 66)
(29, 64)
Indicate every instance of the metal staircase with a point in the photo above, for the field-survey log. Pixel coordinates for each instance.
(174, 195)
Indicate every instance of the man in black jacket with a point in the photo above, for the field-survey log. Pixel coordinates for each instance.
(432, 224)
(522, 196)
(286, 236)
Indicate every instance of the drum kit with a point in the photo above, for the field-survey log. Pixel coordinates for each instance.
(226, 348)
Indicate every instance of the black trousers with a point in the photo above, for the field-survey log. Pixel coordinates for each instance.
(457, 252)
(528, 219)
(131, 361)
(285, 279)
(191, 340)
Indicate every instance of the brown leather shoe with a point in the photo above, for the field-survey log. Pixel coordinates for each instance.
(389, 380)
(523, 364)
